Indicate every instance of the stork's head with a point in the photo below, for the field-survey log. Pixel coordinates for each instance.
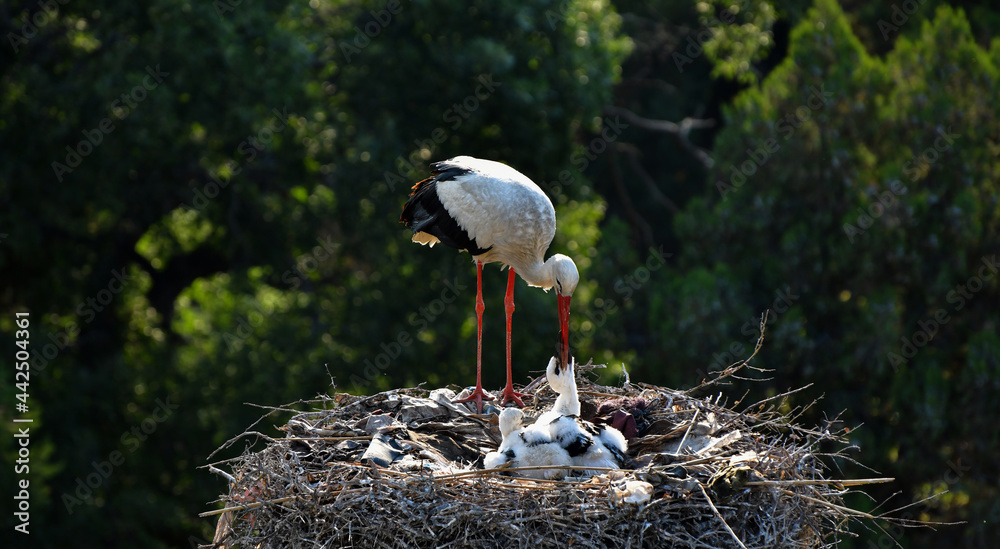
(560, 377)
(562, 380)
(565, 277)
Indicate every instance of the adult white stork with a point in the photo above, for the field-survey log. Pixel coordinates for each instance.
(499, 215)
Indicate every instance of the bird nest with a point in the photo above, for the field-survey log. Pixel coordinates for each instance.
(403, 468)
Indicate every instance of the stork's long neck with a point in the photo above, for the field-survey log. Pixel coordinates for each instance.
(568, 401)
(538, 274)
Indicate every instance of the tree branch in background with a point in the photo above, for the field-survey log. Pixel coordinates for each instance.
(680, 130)
(635, 218)
(632, 153)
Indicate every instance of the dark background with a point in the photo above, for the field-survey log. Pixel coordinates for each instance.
(199, 204)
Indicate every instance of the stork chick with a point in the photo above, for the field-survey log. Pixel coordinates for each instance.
(559, 436)
(526, 447)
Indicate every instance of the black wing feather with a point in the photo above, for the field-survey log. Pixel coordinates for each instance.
(578, 445)
(423, 212)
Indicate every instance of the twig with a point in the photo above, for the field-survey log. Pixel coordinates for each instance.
(825, 503)
(690, 425)
(247, 506)
(218, 471)
(775, 397)
(921, 523)
(231, 441)
(718, 514)
(818, 482)
(737, 366)
(332, 439)
(502, 469)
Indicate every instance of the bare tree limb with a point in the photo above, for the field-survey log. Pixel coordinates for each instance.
(680, 130)
(633, 160)
(635, 218)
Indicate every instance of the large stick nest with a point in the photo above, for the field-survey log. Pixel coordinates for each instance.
(400, 469)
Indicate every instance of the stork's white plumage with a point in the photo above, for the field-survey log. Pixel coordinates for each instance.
(562, 380)
(497, 214)
(559, 436)
(588, 445)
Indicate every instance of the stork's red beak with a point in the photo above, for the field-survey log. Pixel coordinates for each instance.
(563, 301)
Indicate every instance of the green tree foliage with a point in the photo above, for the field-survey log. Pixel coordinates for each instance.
(226, 231)
(112, 117)
(740, 36)
(856, 197)
(647, 173)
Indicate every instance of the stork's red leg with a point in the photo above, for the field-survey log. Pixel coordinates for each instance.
(509, 393)
(478, 395)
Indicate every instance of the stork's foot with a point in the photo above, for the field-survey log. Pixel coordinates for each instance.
(509, 394)
(478, 396)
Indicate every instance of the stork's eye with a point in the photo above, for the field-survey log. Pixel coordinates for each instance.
(559, 286)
